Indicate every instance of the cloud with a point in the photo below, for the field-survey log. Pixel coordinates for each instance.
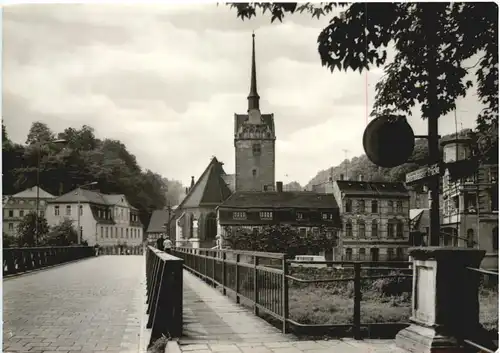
(166, 80)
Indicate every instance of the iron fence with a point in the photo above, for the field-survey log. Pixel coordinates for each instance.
(18, 260)
(262, 281)
(164, 294)
(487, 342)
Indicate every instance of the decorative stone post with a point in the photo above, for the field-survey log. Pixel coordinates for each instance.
(195, 240)
(445, 303)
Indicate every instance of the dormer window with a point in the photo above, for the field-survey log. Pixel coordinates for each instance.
(326, 216)
(266, 215)
(256, 149)
(300, 216)
(239, 215)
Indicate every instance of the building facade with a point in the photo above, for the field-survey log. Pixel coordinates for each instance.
(305, 211)
(158, 225)
(107, 220)
(17, 206)
(254, 142)
(375, 217)
(470, 209)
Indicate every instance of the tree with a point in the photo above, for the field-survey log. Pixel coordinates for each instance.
(432, 43)
(39, 132)
(62, 234)
(27, 229)
(9, 241)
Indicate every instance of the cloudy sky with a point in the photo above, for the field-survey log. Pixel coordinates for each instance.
(166, 80)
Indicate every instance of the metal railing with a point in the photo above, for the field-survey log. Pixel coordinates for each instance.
(164, 294)
(117, 250)
(262, 281)
(485, 343)
(18, 260)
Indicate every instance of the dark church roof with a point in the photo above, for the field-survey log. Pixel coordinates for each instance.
(285, 199)
(210, 189)
(157, 221)
(371, 188)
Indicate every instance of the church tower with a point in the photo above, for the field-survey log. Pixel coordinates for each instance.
(254, 142)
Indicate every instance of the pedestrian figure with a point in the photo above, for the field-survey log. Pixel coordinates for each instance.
(96, 249)
(159, 243)
(167, 246)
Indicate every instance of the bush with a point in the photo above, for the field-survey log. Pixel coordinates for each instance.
(392, 286)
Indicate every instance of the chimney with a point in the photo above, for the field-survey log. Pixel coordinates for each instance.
(187, 190)
(279, 186)
(192, 182)
(360, 177)
(341, 177)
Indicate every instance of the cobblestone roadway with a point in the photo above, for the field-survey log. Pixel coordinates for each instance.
(93, 305)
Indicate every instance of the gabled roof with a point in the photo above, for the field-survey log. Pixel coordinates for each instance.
(157, 221)
(30, 193)
(372, 188)
(285, 199)
(210, 189)
(82, 195)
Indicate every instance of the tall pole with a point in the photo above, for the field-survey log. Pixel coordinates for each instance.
(78, 216)
(37, 193)
(430, 19)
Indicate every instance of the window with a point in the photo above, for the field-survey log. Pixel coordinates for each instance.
(374, 228)
(256, 149)
(106, 233)
(361, 206)
(302, 232)
(390, 206)
(81, 210)
(470, 202)
(300, 216)
(121, 213)
(11, 226)
(374, 206)
(11, 212)
(399, 206)
(470, 238)
(348, 254)
(362, 254)
(348, 205)
(494, 239)
(56, 211)
(374, 254)
(361, 229)
(494, 197)
(399, 253)
(399, 229)
(239, 215)
(326, 216)
(266, 215)
(21, 213)
(254, 172)
(126, 233)
(390, 254)
(348, 229)
(390, 228)
(68, 210)
(102, 232)
(121, 232)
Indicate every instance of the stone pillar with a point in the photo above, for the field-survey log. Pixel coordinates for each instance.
(195, 240)
(445, 303)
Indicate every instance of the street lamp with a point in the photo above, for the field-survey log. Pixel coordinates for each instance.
(39, 147)
(78, 209)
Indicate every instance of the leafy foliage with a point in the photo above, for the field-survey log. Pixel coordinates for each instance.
(432, 40)
(81, 159)
(282, 239)
(62, 234)
(26, 230)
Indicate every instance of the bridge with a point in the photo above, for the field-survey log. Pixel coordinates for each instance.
(126, 303)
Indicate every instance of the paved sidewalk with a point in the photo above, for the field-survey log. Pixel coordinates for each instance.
(214, 323)
(93, 305)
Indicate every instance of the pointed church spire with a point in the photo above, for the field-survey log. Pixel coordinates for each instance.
(253, 96)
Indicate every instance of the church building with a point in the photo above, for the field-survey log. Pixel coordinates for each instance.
(248, 198)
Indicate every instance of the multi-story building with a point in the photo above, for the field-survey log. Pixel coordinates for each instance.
(375, 218)
(107, 220)
(470, 210)
(17, 206)
(305, 211)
